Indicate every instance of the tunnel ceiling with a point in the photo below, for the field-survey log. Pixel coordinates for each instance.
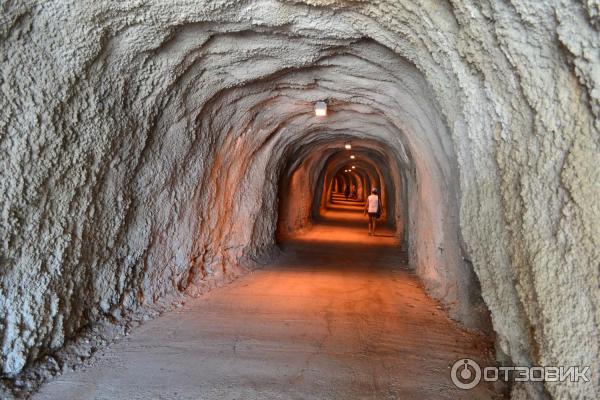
(142, 147)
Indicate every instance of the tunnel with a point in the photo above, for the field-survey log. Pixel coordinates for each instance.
(155, 157)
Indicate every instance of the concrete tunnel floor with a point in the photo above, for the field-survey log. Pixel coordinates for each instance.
(337, 315)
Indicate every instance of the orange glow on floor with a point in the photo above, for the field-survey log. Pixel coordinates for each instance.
(337, 316)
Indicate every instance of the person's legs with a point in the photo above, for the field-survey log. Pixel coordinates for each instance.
(374, 224)
(371, 224)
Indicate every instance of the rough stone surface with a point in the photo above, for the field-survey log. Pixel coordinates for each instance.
(142, 145)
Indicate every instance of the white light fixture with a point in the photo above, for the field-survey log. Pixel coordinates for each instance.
(353, 167)
(353, 156)
(320, 108)
(348, 146)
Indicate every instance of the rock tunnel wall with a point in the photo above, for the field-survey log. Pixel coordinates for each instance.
(141, 146)
(296, 193)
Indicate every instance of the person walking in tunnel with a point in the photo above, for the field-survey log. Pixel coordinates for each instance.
(354, 194)
(347, 192)
(373, 208)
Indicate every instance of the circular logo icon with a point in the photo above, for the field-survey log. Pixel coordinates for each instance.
(465, 374)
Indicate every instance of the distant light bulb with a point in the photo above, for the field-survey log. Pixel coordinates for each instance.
(353, 156)
(353, 167)
(348, 146)
(320, 108)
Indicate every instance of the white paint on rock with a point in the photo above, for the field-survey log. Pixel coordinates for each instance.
(141, 147)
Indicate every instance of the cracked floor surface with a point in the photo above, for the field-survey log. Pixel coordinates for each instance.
(338, 316)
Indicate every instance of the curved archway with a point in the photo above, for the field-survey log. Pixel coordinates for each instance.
(146, 154)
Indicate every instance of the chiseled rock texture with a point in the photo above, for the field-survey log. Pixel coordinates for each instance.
(142, 146)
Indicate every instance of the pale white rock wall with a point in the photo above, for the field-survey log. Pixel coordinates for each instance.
(142, 143)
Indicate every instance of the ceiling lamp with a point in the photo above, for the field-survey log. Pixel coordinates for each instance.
(348, 146)
(353, 156)
(353, 167)
(320, 108)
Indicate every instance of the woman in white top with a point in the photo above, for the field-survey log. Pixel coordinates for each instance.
(373, 206)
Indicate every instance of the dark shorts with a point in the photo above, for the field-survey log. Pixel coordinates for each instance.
(373, 215)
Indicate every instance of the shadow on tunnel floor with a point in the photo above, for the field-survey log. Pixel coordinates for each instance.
(311, 255)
